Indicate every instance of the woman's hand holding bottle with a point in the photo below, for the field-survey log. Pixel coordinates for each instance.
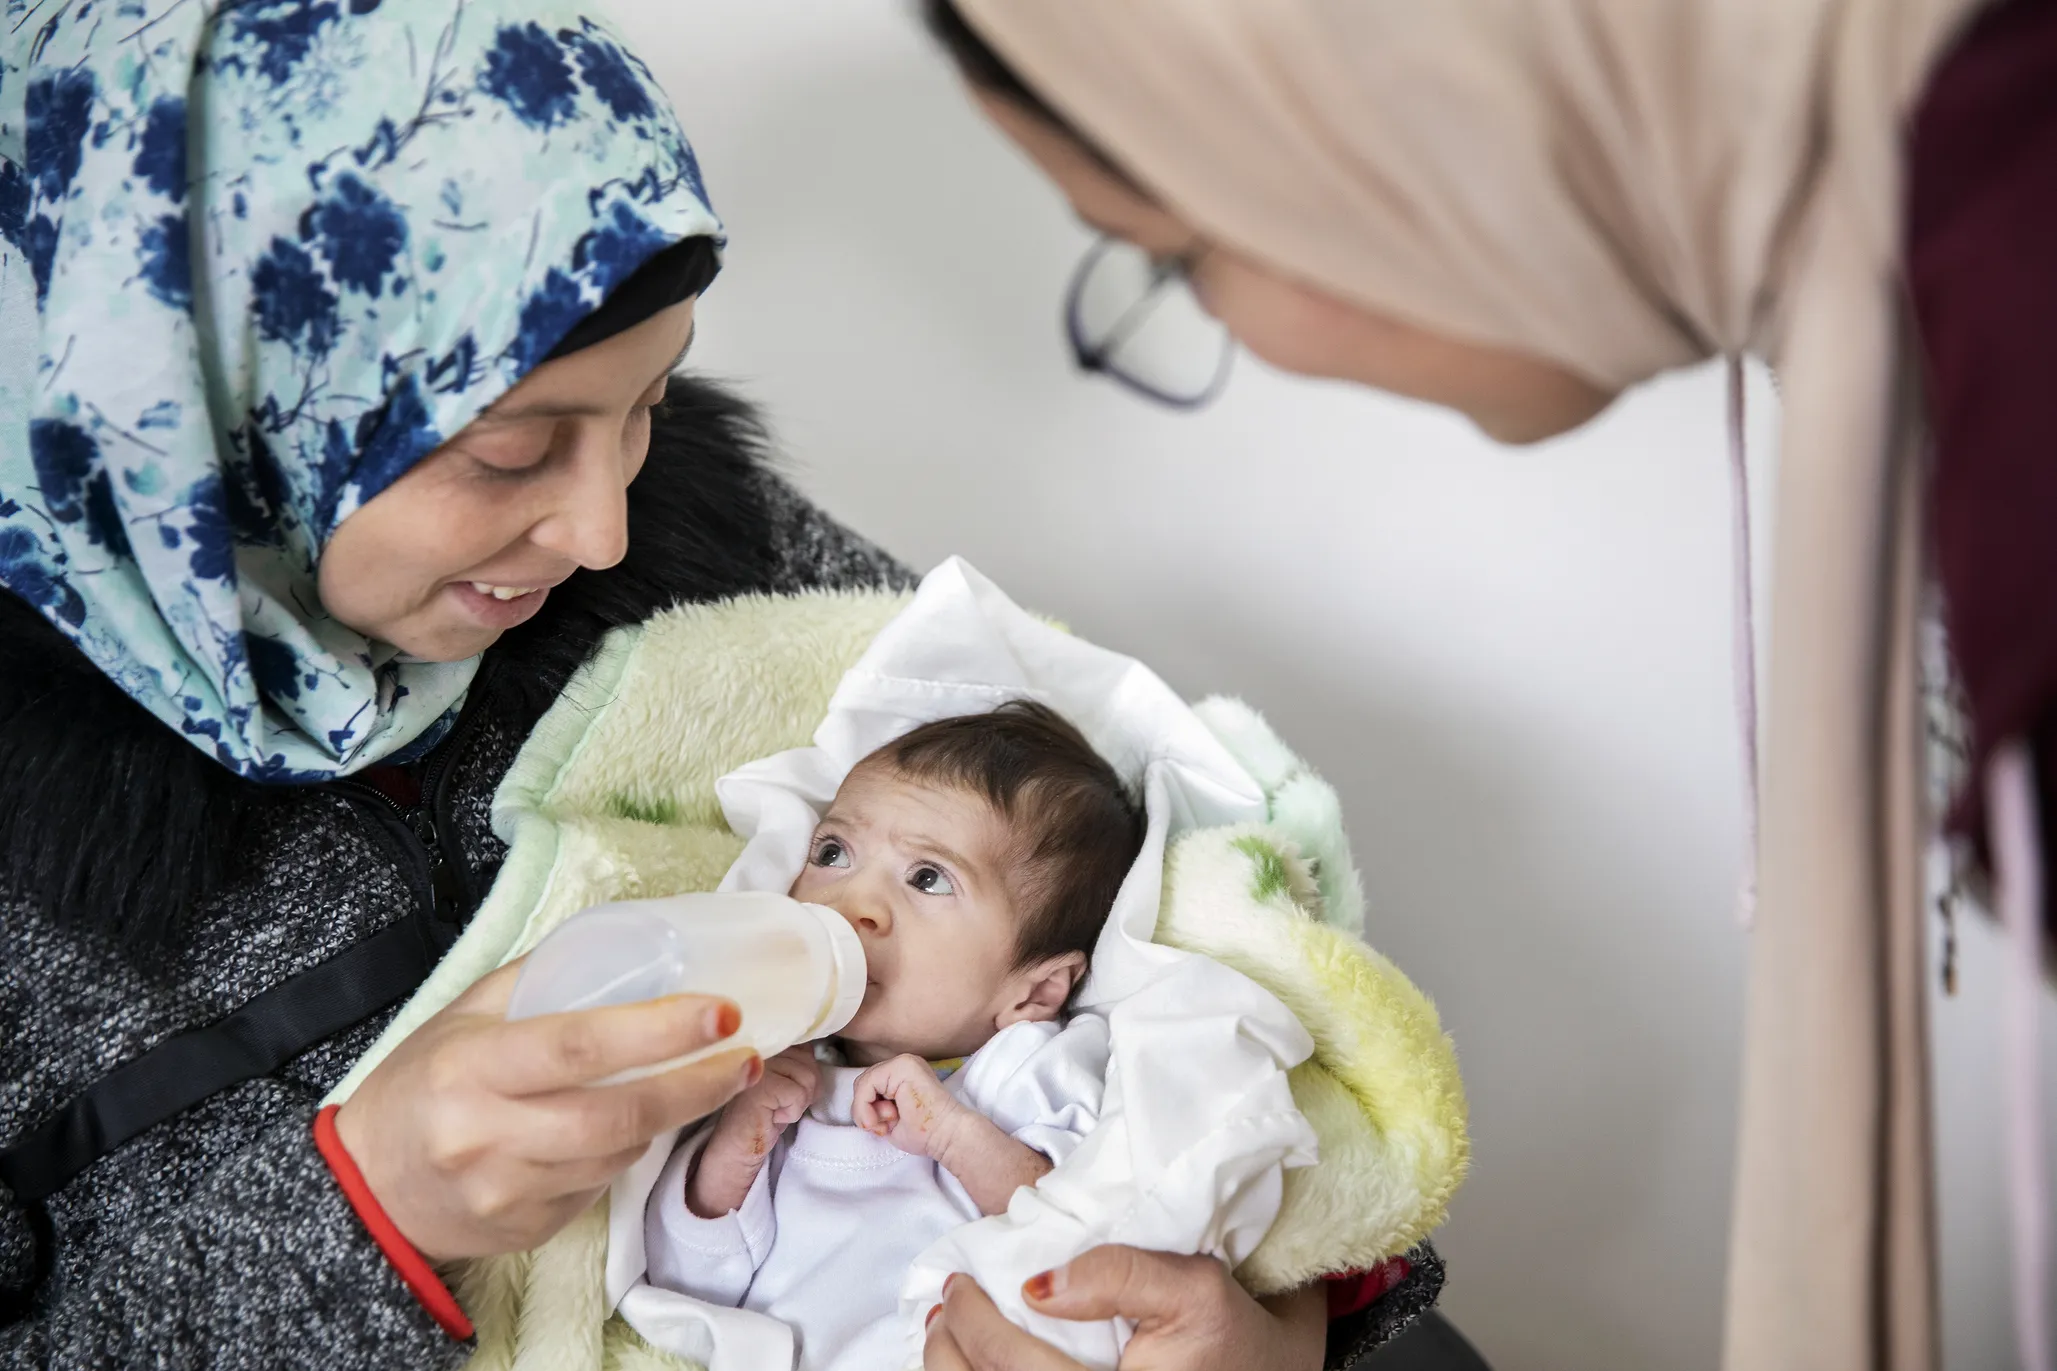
(479, 1135)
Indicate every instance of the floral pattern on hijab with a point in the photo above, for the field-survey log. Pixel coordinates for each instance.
(257, 259)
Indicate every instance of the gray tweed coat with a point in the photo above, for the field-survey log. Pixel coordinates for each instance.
(145, 892)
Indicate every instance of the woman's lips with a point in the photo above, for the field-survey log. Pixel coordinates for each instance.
(512, 605)
(503, 592)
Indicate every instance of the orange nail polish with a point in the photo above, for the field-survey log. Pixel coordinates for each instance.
(727, 1019)
(1039, 1287)
(932, 1316)
(753, 1072)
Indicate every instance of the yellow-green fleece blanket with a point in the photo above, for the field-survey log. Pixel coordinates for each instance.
(613, 798)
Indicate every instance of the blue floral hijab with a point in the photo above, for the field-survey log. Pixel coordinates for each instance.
(261, 257)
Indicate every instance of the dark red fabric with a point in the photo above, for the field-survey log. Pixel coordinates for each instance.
(397, 783)
(1352, 1291)
(413, 1268)
(1982, 266)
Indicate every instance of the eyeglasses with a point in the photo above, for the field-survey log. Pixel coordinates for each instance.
(1132, 317)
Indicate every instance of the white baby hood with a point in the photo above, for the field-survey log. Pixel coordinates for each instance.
(1198, 1123)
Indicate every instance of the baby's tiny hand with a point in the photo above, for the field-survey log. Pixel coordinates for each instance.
(756, 1117)
(749, 1125)
(901, 1101)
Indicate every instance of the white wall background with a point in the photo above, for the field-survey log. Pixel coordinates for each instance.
(1514, 664)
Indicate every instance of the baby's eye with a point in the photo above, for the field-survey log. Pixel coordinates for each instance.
(831, 852)
(930, 880)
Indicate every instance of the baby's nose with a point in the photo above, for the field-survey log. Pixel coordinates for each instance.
(866, 913)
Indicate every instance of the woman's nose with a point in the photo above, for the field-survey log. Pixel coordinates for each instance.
(589, 519)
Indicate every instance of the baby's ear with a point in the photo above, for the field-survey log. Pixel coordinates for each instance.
(1038, 993)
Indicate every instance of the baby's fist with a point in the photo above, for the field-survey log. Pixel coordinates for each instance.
(791, 1081)
(902, 1101)
(753, 1120)
(749, 1126)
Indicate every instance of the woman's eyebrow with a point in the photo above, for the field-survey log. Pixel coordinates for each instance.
(544, 410)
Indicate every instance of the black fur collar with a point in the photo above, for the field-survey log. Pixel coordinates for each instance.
(111, 821)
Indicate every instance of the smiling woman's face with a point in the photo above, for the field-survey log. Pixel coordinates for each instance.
(468, 544)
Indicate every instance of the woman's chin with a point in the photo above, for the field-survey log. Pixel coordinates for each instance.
(452, 639)
(460, 623)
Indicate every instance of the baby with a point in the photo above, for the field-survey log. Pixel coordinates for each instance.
(977, 859)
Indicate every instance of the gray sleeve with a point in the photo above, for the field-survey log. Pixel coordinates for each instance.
(813, 550)
(265, 1265)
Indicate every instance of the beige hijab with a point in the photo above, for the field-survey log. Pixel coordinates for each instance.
(1623, 187)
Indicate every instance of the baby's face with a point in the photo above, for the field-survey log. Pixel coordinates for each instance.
(919, 873)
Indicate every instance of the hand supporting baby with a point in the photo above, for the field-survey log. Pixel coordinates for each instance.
(902, 1100)
(721, 1176)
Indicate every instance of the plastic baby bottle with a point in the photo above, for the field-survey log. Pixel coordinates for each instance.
(795, 970)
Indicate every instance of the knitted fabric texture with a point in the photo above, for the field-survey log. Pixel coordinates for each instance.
(613, 798)
(219, 1238)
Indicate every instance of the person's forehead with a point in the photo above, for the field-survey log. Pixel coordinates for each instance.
(581, 382)
(874, 796)
(1102, 200)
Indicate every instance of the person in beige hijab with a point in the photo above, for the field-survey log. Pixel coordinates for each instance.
(1520, 209)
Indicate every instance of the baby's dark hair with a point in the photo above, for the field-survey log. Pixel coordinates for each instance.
(1077, 827)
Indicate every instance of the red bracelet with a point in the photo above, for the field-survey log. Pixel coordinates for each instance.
(1351, 1291)
(413, 1268)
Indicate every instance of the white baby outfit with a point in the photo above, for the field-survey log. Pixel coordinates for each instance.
(824, 1239)
(1192, 1130)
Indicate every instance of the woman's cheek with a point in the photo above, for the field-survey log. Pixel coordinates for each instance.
(390, 559)
(370, 590)
(1282, 324)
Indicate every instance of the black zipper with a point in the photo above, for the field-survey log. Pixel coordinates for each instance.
(424, 831)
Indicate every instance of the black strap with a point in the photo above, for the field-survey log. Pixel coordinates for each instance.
(254, 1041)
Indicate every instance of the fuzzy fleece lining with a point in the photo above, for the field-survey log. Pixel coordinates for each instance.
(613, 798)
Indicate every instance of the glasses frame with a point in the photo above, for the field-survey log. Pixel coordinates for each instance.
(1098, 358)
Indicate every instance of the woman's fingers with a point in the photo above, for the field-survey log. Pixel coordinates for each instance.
(980, 1335)
(593, 1173)
(558, 1051)
(478, 1135)
(596, 1121)
(1126, 1282)
(940, 1352)
(490, 993)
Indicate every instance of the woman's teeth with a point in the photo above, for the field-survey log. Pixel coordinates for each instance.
(504, 592)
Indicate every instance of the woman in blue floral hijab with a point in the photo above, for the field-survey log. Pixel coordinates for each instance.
(258, 263)
(337, 425)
